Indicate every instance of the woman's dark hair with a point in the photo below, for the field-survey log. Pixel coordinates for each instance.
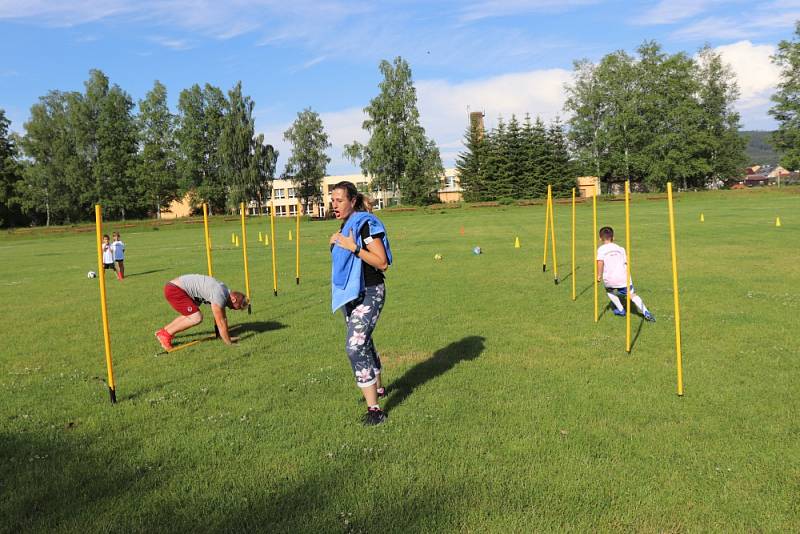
(352, 193)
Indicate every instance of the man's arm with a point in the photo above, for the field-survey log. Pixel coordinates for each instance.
(222, 324)
(599, 270)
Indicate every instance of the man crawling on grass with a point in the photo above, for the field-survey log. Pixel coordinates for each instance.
(186, 293)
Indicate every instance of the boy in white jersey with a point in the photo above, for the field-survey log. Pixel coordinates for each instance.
(119, 254)
(612, 269)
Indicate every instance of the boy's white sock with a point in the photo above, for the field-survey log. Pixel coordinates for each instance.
(636, 299)
(615, 301)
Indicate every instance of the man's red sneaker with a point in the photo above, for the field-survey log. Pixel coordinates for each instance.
(165, 339)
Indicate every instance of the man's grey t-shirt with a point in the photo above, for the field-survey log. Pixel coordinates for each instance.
(205, 289)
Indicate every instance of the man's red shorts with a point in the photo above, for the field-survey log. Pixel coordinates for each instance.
(180, 300)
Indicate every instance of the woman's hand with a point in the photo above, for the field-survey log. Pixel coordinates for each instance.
(345, 242)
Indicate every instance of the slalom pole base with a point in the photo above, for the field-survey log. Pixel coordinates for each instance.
(275, 292)
(555, 281)
(544, 268)
(249, 310)
(113, 394)
(298, 281)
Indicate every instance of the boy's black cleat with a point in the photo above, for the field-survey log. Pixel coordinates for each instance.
(374, 416)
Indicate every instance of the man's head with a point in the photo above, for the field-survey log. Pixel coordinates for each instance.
(607, 234)
(237, 300)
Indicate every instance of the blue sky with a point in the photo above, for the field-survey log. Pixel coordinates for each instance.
(498, 56)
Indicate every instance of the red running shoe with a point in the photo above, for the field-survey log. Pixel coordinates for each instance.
(165, 339)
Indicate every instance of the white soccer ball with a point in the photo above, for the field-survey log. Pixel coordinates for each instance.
(91, 274)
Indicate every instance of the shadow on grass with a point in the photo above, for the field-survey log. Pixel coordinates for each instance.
(48, 481)
(638, 331)
(569, 274)
(442, 361)
(585, 289)
(246, 330)
(143, 273)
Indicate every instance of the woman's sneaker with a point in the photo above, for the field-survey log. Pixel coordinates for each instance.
(374, 416)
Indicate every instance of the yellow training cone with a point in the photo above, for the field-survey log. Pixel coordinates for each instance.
(778, 222)
(260, 238)
(516, 242)
(237, 241)
(702, 218)
(233, 238)
(266, 240)
(290, 235)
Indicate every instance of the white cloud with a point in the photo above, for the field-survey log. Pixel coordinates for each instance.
(444, 105)
(63, 13)
(765, 19)
(671, 11)
(757, 77)
(444, 108)
(175, 44)
(484, 9)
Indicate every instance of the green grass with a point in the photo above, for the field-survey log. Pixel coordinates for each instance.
(512, 411)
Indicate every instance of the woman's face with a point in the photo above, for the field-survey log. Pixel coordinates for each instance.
(342, 206)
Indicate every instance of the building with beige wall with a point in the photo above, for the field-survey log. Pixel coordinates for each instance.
(287, 202)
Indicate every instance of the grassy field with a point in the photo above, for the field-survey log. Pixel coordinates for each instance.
(510, 409)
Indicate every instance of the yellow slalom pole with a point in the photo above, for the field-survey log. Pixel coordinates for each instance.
(98, 217)
(297, 244)
(272, 246)
(553, 238)
(628, 266)
(208, 239)
(594, 252)
(678, 354)
(574, 297)
(208, 250)
(546, 228)
(244, 254)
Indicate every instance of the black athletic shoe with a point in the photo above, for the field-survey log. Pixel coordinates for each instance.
(374, 416)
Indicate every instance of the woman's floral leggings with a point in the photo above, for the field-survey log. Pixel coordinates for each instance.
(361, 316)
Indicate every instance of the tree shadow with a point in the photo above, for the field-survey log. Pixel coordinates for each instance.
(442, 361)
(49, 481)
(143, 273)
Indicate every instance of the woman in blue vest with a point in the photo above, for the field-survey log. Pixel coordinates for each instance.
(360, 253)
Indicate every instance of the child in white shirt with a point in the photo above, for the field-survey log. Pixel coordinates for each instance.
(612, 269)
(119, 255)
(108, 255)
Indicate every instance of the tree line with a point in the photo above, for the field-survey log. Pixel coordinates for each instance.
(515, 161)
(650, 117)
(82, 148)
